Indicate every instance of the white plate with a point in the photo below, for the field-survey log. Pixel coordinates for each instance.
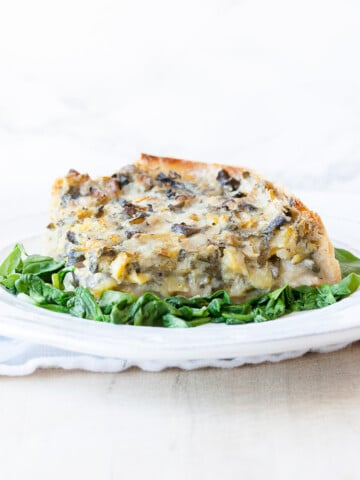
(317, 329)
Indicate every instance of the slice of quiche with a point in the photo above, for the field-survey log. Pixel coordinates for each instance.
(178, 227)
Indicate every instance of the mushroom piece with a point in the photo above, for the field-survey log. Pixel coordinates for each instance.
(226, 180)
(184, 229)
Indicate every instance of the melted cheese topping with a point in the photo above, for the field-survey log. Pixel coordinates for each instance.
(168, 232)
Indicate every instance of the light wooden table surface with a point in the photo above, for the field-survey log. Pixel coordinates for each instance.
(296, 419)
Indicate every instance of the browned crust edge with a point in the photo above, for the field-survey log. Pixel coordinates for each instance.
(186, 167)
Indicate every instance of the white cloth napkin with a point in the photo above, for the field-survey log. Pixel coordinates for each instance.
(19, 357)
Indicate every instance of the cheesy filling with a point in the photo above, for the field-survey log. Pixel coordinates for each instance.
(171, 233)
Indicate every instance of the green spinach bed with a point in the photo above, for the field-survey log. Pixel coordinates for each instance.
(47, 283)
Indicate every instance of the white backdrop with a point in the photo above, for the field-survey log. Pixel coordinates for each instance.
(274, 85)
